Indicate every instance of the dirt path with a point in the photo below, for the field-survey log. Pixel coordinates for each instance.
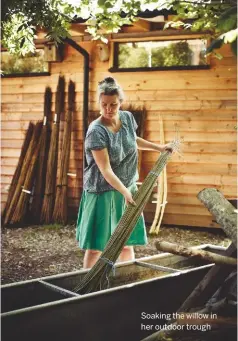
(35, 251)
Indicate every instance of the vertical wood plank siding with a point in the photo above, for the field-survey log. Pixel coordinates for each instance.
(201, 102)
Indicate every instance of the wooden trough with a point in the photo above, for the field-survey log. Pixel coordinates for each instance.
(47, 308)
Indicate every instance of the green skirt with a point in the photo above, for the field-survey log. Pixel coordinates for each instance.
(98, 216)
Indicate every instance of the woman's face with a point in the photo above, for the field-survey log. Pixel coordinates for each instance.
(109, 106)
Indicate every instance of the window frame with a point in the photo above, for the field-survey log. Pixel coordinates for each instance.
(115, 68)
(27, 74)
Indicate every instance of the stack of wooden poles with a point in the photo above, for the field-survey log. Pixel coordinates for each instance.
(33, 197)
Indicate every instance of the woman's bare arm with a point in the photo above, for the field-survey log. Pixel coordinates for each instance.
(147, 145)
(101, 158)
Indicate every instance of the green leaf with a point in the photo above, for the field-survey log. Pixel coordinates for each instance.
(20, 27)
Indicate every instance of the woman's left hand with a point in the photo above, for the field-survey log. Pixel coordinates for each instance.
(169, 147)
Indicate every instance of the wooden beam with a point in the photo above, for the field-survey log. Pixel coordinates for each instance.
(177, 249)
(143, 25)
(142, 36)
(158, 35)
(77, 29)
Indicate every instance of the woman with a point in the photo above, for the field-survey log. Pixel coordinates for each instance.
(110, 178)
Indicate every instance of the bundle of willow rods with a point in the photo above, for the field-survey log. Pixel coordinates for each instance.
(60, 213)
(32, 146)
(39, 187)
(19, 215)
(49, 196)
(17, 173)
(97, 277)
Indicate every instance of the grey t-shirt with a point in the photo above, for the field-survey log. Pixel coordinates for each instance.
(122, 150)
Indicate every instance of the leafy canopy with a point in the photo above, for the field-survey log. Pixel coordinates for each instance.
(22, 18)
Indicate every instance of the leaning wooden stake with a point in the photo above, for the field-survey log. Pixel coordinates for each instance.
(60, 213)
(222, 210)
(165, 188)
(177, 249)
(17, 173)
(49, 196)
(20, 213)
(22, 177)
(160, 186)
(161, 191)
(164, 202)
(40, 177)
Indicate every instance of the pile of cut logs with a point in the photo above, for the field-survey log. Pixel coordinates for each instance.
(216, 294)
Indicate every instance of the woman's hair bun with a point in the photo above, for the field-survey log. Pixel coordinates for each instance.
(108, 80)
(109, 86)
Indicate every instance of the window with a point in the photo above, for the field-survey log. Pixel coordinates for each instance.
(32, 65)
(160, 55)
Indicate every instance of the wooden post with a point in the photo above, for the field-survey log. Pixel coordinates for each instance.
(222, 210)
(190, 252)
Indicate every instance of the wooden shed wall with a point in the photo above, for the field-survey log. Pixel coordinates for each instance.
(201, 102)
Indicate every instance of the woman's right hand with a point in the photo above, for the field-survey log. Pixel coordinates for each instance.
(128, 197)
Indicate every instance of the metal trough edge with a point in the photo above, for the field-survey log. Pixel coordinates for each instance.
(62, 291)
(156, 267)
(102, 292)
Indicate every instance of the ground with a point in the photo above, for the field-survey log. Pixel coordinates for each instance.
(38, 251)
